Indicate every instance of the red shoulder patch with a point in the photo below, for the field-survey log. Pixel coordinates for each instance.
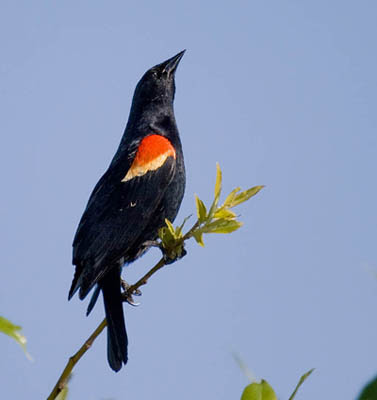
(151, 155)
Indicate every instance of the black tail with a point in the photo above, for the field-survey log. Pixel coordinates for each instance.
(116, 330)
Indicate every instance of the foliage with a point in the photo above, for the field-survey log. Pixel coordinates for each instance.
(214, 219)
(219, 219)
(370, 391)
(258, 391)
(63, 395)
(13, 331)
(262, 390)
(300, 382)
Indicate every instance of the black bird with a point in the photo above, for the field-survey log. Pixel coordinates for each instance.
(143, 185)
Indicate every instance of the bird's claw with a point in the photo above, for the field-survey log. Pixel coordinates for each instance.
(128, 297)
(152, 243)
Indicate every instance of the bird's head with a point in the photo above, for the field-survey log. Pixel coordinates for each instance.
(157, 85)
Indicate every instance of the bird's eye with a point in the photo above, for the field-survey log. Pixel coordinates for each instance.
(156, 74)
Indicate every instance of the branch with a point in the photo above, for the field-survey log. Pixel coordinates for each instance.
(219, 219)
(62, 381)
(73, 360)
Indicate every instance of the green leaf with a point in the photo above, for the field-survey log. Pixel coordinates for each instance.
(178, 232)
(217, 193)
(224, 213)
(200, 209)
(184, 221)
(229, 200)
(300, 382)
(161, 233)
(370, 391)
(170, 227)
(198, 236)
(179, 229)
(167, 238)
(14, 332)
(246, 195)
(222, 225)
(259, 391)
(218, 183)
(63, 395)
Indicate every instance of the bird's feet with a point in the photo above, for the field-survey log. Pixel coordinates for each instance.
(152, 243)
(127, 296)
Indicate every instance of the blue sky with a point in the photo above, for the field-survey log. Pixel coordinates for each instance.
(279, 93)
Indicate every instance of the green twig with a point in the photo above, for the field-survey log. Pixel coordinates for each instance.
(300, 382)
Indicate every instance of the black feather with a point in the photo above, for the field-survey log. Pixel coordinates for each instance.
(116, 331)
(121, 216)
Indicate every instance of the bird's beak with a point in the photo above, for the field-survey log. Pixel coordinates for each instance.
(171, 65)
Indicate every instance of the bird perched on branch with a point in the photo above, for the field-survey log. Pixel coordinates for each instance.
(143, 185)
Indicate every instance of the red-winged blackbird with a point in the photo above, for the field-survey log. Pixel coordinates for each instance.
(143, 185)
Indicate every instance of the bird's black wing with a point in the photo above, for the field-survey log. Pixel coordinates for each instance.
(116, 215)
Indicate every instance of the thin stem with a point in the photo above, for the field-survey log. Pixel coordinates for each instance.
(73, 360)
(62, 381)
(142, 281)
(188, 235)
